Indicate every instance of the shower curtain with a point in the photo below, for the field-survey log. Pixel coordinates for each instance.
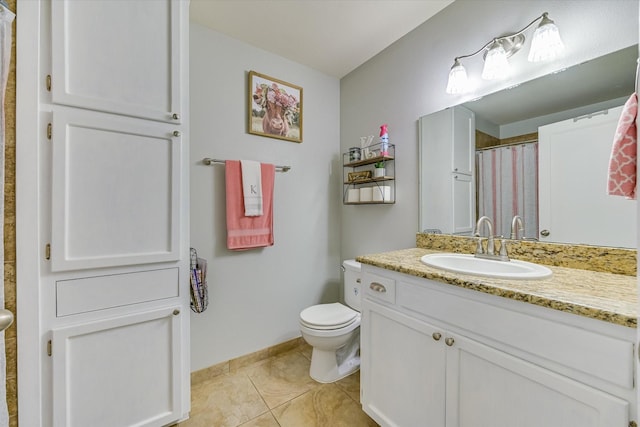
(6, 20)
(508, 186)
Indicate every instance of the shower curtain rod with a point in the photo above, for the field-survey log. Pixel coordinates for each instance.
(208, 161)
(511, 144)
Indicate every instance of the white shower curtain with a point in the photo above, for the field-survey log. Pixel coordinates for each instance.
(6, 20)
(508, 186)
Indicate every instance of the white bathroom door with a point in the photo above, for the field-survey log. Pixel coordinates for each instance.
(573, 172)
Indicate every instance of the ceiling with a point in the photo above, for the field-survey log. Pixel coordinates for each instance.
(331, 36)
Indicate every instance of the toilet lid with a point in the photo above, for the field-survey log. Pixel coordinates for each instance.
(328, 316)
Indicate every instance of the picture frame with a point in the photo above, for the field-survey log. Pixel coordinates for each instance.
(275, 108)
(359, 176)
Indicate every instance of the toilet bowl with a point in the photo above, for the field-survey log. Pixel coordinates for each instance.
(333, 330)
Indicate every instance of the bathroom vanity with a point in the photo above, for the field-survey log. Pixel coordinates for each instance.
(446, 349)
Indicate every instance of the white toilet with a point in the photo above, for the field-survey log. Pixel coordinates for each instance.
(333, 330)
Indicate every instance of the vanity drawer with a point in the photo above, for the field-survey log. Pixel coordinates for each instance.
(379, 288)
(592, 352)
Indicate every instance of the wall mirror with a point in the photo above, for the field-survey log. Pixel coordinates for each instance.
(591, 88)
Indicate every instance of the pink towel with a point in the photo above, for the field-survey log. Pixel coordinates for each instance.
(246, 232)
(622, 164)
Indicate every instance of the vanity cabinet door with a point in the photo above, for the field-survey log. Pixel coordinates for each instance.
(490, 388)
(403, 368)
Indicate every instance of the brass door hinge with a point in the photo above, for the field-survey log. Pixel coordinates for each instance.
(48, 82)
(49, 130)
(49, 346)
(47, 251)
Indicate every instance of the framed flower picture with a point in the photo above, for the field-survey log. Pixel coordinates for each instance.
(275, 108)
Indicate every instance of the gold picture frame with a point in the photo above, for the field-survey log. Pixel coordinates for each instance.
(275, 108)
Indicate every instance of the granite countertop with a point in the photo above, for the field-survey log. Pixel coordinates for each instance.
(604, 296)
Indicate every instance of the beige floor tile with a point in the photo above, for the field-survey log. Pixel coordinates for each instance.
(306, 350)
(265, 420)
(351, 385)
(282, 378)
(226, 401)
(326, 405)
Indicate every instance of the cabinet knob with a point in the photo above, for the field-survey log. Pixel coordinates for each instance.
(175, 116)
(176, 312)
(436, 336)
(176, 133)
(545, 233)
(378, 287)
(449, 341)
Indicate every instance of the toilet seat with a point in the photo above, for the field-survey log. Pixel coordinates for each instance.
(328, 316)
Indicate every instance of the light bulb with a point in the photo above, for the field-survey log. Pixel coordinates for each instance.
(496, 65)
(546, 43)
(458, 80)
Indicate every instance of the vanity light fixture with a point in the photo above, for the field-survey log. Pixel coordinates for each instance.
(545, 45)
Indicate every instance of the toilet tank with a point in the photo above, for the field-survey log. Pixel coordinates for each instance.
(352, 285)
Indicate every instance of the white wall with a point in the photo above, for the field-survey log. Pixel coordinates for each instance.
(255, 296)
(408, 80)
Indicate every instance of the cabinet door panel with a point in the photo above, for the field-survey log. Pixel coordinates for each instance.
(118, 372)
(463, 187)
(464, 140)
(117, 187)
(92, 44)
(403, 369)
(489, 388)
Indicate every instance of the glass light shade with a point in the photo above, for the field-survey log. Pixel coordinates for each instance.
(496, 65)
(546, 43)
(458, 80)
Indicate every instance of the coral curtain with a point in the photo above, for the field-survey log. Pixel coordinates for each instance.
(508, 186)
(6, 20)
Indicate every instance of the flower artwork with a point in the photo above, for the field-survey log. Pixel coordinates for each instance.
(275, 108)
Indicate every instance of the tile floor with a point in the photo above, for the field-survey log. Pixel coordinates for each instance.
(277, 392)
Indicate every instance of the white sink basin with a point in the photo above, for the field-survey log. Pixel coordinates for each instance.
(469, 264)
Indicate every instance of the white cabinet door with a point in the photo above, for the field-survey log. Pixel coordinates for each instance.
(116, 182)
(122, 57)
(464, 203)
(489, 388)
(463, 140)
(447, 150)
(403, 369)
(122, 371)
(573, 168)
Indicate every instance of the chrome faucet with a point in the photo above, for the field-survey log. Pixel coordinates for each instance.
(490, 251)
(517, 225)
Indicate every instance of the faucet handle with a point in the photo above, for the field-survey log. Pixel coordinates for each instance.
(503, 248)
(479, 249)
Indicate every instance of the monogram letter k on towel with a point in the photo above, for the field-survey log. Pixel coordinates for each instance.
(251, 187)
(246, 232)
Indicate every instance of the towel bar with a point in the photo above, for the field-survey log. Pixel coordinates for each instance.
(209, 161)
